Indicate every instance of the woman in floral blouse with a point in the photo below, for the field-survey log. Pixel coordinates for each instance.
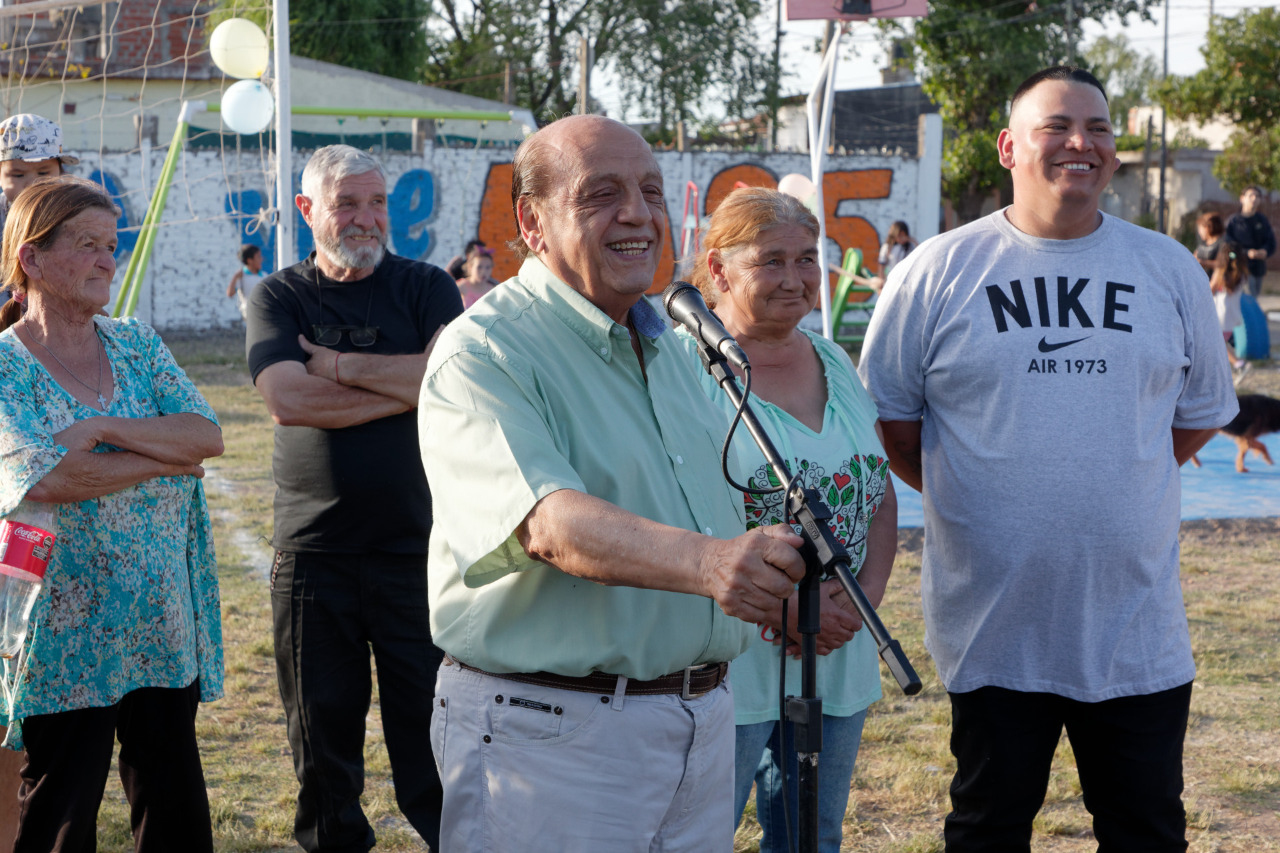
(759, 270)
(125, 638)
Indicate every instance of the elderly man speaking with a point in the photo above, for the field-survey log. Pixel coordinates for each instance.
(586, 548)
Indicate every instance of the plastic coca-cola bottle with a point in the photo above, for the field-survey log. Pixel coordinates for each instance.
(26, 546)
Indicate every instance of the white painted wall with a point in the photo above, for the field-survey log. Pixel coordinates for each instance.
(436, 206)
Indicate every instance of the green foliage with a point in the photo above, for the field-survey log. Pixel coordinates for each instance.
(1125, 73)
(382, 36)
(972, 54)
(668, 55)
(1238, 82)
(1249, 158)
(1238, 85)
(673, 53)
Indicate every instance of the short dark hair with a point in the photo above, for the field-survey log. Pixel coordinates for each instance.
(1068, 73)
(1212, 222)
(471, 244)
(247, 251)
(1259, 190)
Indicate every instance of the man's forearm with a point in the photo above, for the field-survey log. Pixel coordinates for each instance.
(398, 376)
(297, 398)
(902, 443)
(1187, 442)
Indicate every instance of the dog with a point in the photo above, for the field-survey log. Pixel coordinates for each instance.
(1259, 415)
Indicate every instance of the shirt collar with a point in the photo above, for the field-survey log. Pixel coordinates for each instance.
(600, 333)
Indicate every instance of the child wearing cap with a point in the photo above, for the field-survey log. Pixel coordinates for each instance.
(30, 149)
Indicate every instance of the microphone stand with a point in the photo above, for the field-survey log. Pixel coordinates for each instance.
(823, 553)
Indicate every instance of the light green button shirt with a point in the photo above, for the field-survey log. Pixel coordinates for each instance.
(533, 390)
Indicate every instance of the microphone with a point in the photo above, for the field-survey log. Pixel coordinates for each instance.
(685, 305)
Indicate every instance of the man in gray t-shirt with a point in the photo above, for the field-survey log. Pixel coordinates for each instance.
(1040, 375)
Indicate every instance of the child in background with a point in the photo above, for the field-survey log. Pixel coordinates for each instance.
(1209, 230)
(896, 246)
(30, 148)
(243, 282)
(1229, 270)
(478, 279)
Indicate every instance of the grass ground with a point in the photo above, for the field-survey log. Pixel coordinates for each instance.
(899, 790)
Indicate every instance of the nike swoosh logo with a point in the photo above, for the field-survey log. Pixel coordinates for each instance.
(1045, 346)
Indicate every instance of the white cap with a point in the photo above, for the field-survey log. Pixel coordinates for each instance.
(32, 138)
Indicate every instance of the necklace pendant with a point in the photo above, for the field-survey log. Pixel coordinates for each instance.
(102, 402)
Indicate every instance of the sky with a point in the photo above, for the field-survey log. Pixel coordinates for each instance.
(861, 57)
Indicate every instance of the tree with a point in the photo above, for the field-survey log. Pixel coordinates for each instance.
(972, 54)
(669, 55)
(1126, 74)
(382, 36)
(672, 54)
(1237, 84)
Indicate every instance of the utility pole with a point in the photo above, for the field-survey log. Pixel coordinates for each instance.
(508, 85)
(584, 76)
(1071, 32)
(775, 95)
(1164, 142)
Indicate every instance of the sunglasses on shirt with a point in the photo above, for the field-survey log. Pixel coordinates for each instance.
(361, 336)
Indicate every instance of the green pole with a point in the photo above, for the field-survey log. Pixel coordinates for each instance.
(380, 112)
(131, 285)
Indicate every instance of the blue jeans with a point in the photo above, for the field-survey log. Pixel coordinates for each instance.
(757, 758)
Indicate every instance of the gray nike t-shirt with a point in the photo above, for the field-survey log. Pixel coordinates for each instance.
(1048, 374)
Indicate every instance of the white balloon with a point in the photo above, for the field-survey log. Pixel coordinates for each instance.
(239, 47)
(800, 187)
(248, 106)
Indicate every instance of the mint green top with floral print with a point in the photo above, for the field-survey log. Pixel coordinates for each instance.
(130, 598)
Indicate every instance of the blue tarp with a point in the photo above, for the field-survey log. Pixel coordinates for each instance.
(1214, 490)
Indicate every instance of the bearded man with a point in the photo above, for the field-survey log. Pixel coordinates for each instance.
(337, 346)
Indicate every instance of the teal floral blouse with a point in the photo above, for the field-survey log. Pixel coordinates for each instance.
(130, 599)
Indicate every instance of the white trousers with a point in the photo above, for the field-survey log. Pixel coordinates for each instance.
(529, 768)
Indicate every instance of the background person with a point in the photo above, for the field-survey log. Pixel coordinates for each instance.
(587, 549)
(247, 278)
(30, 149)
(1252, 230)
(1040, 375)
(1229, 271)
(1209, 230)
(479, 277)
(457, 264)
(897, 244)
(98, 420)
(337, 345)
(759, 270)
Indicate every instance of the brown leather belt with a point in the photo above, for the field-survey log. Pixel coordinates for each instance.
(689, 683)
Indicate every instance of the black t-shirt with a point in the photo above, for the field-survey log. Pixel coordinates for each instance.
(360, 488)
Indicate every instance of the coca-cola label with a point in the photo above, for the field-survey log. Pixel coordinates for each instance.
(25, 547)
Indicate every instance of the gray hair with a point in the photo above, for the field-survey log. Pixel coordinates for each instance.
(335, 162)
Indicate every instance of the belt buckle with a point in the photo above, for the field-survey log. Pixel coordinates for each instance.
(684, 688)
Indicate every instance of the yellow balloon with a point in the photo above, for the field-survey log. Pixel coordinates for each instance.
(239, 47)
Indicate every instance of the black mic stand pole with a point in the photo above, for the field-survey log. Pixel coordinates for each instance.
(823, 553)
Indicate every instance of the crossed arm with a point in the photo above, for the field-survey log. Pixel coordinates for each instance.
(332, 390)
(164, 446)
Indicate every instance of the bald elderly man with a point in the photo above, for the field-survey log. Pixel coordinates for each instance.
(588, 560)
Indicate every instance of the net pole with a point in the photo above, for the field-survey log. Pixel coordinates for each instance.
(286, 250)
